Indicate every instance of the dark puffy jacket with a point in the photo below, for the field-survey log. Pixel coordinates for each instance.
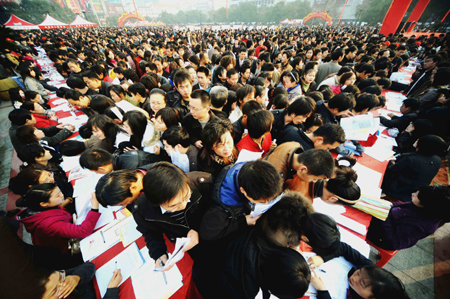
(174, 100)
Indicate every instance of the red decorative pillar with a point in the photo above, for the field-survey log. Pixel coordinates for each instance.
(394, 16)
(417, 12)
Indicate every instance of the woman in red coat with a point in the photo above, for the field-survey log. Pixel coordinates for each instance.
(48, 223)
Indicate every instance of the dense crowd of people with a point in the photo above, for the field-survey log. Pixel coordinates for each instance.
(170, 112)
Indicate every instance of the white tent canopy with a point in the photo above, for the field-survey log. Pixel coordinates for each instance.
(80, 22)
(52, 23)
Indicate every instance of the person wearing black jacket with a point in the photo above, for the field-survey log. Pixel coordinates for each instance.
(181, 96)
(173, 204)
(95, 83)
(20, 117)
(366, 280)
(294, 115)
(408, 109)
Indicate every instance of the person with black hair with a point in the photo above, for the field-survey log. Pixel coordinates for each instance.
(181, 96)
(173, 204)
(413, 170)
(199, 116)
(384, 83)
(241, 124)
(143, 134)
(232, 78)
(124, 101)
(365, 103)
(139, 94)
(238, 188)
(294, 115)
(349, 55)
(30, 134)
(365, 281)
(249, 264)
(257, 64)
(339, 105)
(245, 73)
(419, 78)
(291, 82)
(77, 83)
(409, 114)
(49, 225)
(44, 118)
(331, 67)
(31, 82)
(203, 76)
(407, 223)
(95, 83)
(258, 138)
(103, 162)
(298, 167)
(243, 94)
(177, 145)
(364, 71)
(218, 147)
(329, 136)
(334, 78)
(415, 130)
(21, 117)
(342, 188)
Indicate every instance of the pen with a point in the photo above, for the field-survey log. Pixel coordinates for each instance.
(103, 237)
(323, 271)
(116, 265)
(164, 274)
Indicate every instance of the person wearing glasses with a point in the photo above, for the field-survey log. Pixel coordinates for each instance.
(174, 205)
(200, 114)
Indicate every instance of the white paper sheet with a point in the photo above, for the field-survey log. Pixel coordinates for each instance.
(128, 261)
(98, 242)
(70, 163)
(350, 224)
(328, 209)
(59, 101)
(262, 208)
(246, 155)
(177, 253)
(367, 178)
(63, 107)
(355, 242)
(146, 279)
(335, 277)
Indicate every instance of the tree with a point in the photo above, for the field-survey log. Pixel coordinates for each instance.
(34, 11)
(374, 11)
(112, 21)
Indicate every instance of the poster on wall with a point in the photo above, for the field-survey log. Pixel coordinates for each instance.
(85, 5)
(73, 5)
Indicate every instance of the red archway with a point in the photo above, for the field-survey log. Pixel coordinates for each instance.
(126, 16)
(318, 15)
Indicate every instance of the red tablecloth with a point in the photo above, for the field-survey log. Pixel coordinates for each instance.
(188, 290)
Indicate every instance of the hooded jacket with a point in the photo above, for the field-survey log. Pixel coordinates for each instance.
(54, 227)
(229, 206)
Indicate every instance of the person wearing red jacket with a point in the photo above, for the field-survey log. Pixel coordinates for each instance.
(46, 220)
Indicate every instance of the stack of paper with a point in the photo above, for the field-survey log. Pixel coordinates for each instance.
(177, 253)
(261, 208)
(376, 207)
(246, 155)
(128, 261)
(148, 284)
(359, 127)
(367, 178)
(70, 163)
(98, 242)
(382, 149)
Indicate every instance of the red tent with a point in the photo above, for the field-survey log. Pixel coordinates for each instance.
(52, 23)
(19, 24)
(80, 22)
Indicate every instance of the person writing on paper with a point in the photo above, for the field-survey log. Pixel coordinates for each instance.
(327, 136)
(102, 162)
(298, 168)
(177, 145)
(366, 280)
(413, 170)
(30, 134)
(237, 190)
(258, 138)
(49, 224)
(174, 205)
(113, 286)
(341, 189)
(409, 114)
(410, 222)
